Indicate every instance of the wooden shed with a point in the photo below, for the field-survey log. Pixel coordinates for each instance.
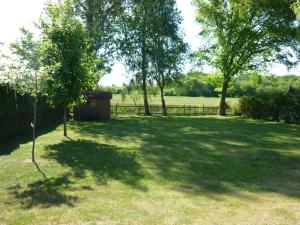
(96, 107)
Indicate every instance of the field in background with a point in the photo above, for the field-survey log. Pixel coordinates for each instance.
(156, 170)
(173, 100)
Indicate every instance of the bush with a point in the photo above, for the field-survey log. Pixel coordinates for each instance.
(276, 106)
(16, 114)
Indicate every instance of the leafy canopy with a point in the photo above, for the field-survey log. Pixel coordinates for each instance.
(243, 35)
(23, 69)
(100, 18)
(168, 49)
(68, 61)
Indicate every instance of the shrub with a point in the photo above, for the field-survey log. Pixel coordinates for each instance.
(276, 106)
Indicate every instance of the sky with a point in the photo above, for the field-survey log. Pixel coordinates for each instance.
(17, 13)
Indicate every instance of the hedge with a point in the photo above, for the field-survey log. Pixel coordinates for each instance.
(16, 114)
(271, 106)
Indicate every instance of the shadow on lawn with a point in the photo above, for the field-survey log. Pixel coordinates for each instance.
(84, 158)
(103, 162)
(45, 193)
(209, 155)
(9, 146)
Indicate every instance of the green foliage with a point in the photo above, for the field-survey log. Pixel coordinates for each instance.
(214, 79)
(133, 92)
(149, 42)
(242, 35)
(245, 35)
(271, 106)
(194, 88)
(23, 70)
(196, 84)
(26, 75)
(168, 49)
(258, 84)
(101, 18)
(69, 63)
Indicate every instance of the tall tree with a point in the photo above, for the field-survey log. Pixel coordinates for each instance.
(168, 47)
(67, 58)
(100, 18)
(242, 35)
(141, 25)
(136, 29)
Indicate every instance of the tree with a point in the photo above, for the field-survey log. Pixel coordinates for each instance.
(244, 35)
(67, 57)
(24, 73)
(100, 18)
(137, 29)
(168, 48)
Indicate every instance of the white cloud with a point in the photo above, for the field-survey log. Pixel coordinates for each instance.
(15, 14)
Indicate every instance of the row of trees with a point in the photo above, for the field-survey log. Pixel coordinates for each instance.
(151, 44)
(196, 84)
(238, 36)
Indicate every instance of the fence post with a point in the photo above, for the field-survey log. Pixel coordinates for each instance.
(203, 109)
(117, 109)
(184, 110)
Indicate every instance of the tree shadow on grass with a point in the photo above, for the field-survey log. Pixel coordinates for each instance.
(212, 155)
(102, 162)
(8, 146)
(45, 193)
(84, 158)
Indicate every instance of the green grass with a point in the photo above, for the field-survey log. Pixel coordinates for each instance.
(154, 170)
(174, 100)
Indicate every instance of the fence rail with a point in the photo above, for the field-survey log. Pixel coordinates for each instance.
(184, 110)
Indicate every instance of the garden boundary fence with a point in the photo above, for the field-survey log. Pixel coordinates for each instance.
(178, 110)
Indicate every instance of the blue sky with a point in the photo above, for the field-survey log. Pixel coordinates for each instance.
(17, 13)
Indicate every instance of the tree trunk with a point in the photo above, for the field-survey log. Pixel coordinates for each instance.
(65, 122)
(34, 129)
(144, 76)
(222, 109)
(163, 103)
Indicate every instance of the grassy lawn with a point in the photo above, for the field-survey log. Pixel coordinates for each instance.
(174, 100)
(177, 170)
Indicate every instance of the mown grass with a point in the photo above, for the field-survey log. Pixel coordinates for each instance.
(155, 170)
(173, 100)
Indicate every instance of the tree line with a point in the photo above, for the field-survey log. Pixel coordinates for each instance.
(199, 84)
(80, 39)
(196, 84)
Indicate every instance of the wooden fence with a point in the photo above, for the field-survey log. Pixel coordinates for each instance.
(184, 110)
